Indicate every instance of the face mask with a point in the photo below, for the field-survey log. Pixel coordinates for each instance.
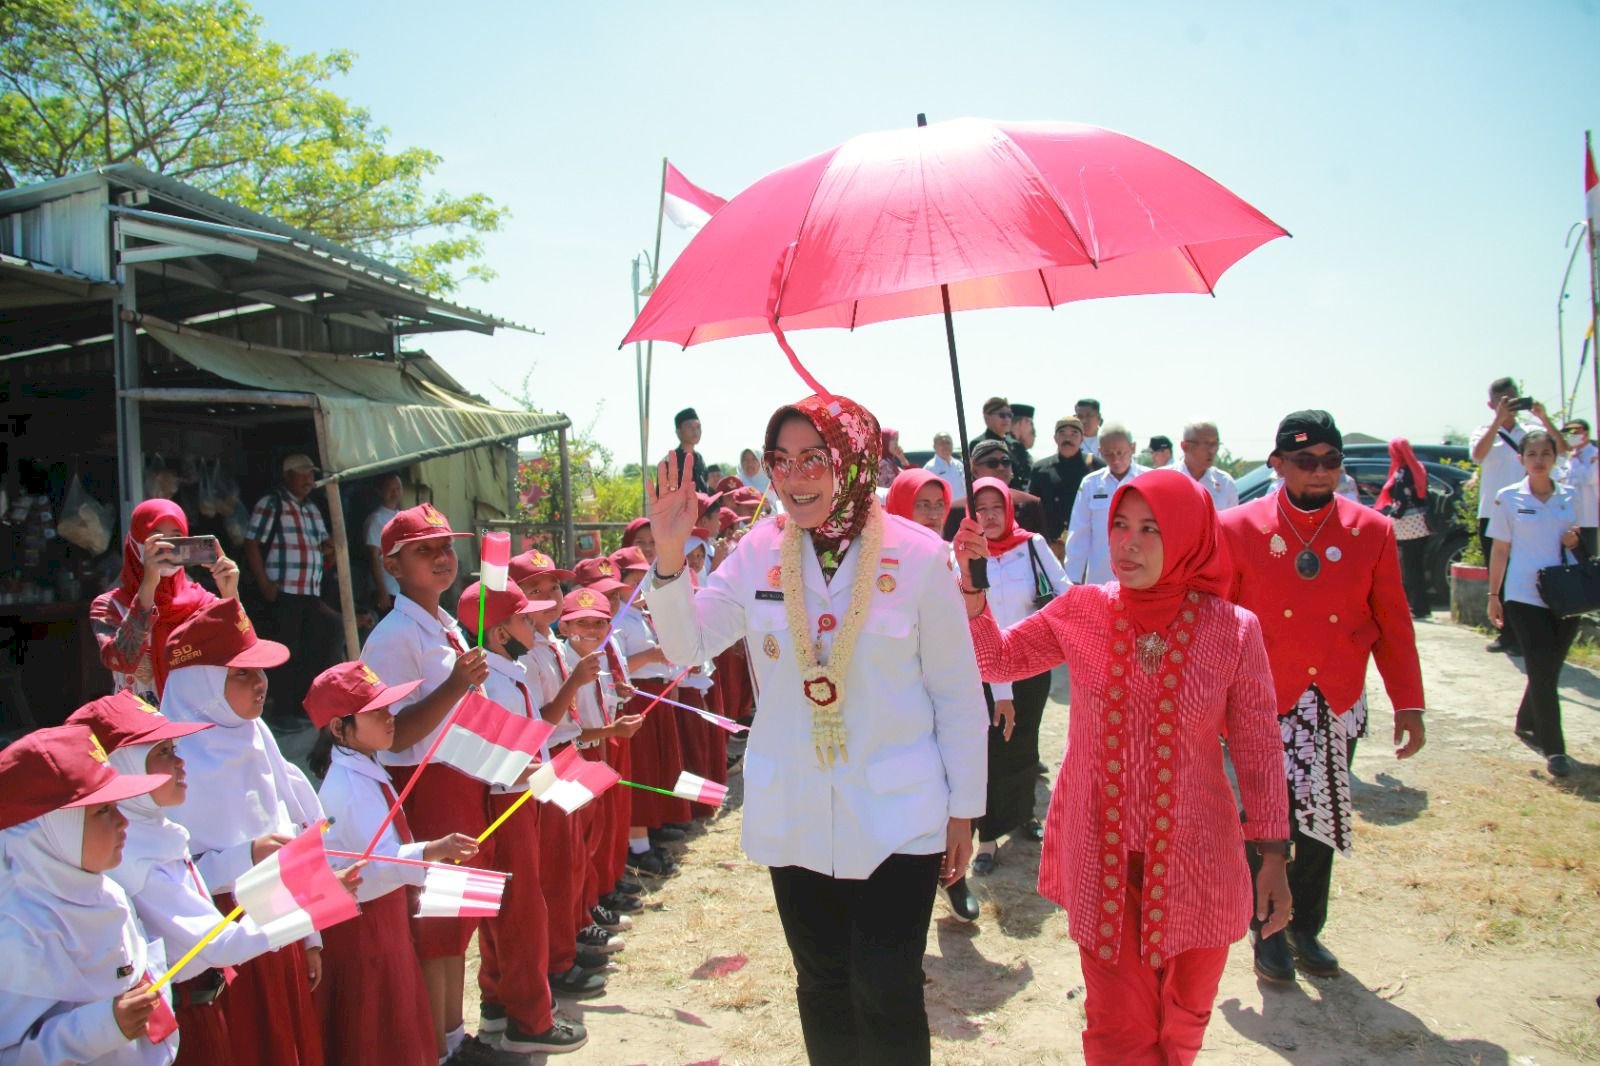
(515, 649)
(1576, 440)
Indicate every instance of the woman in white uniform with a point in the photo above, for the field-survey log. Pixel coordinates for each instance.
(865, 766)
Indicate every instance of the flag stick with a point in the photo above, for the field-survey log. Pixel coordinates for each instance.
(1594, 285)
(612, 628)
(670, 686)
(701, 710)
(483, 596)
(648, 788)
(416, 774)
(414, 862)
(509, 811)
(188, 957)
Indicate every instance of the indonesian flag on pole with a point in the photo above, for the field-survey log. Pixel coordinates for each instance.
(1591, 187)
(490, 743)
(462, 892)
(688, 205)
(494, 562)
(699, 790)
(570, 781)
(293, 892)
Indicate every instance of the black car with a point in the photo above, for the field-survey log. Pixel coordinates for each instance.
(1370, 472)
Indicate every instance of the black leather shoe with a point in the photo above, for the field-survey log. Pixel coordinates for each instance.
(576, 984)
(666, 835)
(1311, 956)
(962, 901)
(1034, 831)
(1273, 960)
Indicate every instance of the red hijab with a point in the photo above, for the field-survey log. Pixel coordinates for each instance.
(902, 499)
(631, 534)
(1014, 534)
(176, 597)
(1400, 454)
(1194, 556)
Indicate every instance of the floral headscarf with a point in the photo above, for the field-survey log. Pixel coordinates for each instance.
(853, 438)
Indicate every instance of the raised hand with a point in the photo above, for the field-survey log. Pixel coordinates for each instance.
(674, 507)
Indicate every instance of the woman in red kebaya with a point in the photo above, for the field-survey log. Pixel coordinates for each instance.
(1142, 842)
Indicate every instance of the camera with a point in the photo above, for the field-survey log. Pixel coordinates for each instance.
(1522, 403)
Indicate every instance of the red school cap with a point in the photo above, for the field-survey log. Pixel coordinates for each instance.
(220, 634)
(585, 603)
(630, 558)
(727, 518)
(731, 483)
(600, 575)
(351, 688)
(497, 607)
(535, 563)
(123, 719)
(63, 766)
(422, 522)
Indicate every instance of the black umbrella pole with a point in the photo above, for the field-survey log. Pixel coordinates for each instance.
(980, 567)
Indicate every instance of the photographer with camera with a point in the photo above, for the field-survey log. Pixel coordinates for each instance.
(1497, 449)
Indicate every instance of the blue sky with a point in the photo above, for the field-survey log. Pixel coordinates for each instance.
(1427, 158)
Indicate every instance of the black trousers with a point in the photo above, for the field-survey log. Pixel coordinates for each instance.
(1414, 573)
(1310, 873)
(311, 631)
(1508, 639)
(857, 947)
(1014, 763)
(1545, 641)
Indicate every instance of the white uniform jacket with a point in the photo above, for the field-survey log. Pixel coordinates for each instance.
(1014, 585)
(1088, 555)
(913, 704)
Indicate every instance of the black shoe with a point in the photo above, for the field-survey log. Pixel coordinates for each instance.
(491, 1018)
(1041, 769)
(649, 864)
(616, 901)
(475, 1052)
(592, 961)
(666, 835)
(1531, 739)
(560, 1038)
(1558, 765)
(1312, 957)
(609, 920)
(682, 827)
(983, 863)
(1273, 960)
(627, 886)
(1034, 831)
(577, 984)
(1499, 644)
(594, 938)
(962, 901)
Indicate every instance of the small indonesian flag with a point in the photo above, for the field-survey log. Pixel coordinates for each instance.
(495, 561)
(292, 892)
(720, 722)
(686, 204)
(699, 790)
(570, 781)
(462, 892)
(1591, 187)
(490, 743)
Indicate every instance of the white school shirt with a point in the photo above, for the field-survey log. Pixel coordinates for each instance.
(543, 656)
(175, 905)
(598, 701)
(912, 705)
(353, 796)
(1088, 554)
(949, 471)
(1013, 588)
(1533, 528)
(409, 644)
(35, 1031)
(1219, 483)
(1583, 477)
(635, 635)
(509, 685)
(375, 523)
(1501, 467)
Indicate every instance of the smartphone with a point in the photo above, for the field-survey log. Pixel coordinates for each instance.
(1522, 403)
(195, 551)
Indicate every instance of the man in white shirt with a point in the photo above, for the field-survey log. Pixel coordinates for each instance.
(1496, 450)
(1088, 555)
(384, 587)
(947, 467)
(1583, 477)
(1200, 443)
(1088, 412)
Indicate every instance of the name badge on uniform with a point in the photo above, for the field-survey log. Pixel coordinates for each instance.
(769, 594)
(1526, 510)
(1102, 496)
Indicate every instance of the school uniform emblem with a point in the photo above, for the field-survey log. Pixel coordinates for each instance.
(775, 577)
(886, 583)
(586, 599)
(431, 516)
(97, 750)
(770, 646)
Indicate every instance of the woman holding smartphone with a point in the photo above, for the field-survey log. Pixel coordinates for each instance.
(132, 620)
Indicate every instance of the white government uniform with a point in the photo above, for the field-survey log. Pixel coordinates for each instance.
(1219, 483)
(1013, 586)
(1583, 477)
(1533, 527)
(1088, 553)
(913, 709)
(1501, 467)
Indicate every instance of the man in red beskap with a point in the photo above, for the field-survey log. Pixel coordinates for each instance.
(1322, 574)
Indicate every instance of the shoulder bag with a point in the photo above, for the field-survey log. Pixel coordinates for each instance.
(1570, 589)
(1044, 592)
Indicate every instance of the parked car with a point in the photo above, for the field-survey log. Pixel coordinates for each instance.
(1370, 472)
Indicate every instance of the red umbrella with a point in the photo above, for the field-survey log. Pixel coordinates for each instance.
(952, 216)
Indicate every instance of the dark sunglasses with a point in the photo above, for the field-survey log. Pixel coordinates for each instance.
(1310, 463)
(995, 463)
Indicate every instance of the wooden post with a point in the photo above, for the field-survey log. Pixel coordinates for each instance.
(125, 376)
(341, 545)
(569, 545)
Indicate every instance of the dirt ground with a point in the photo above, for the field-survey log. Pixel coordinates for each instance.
(1468, 921)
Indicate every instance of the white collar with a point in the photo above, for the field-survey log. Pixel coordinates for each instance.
(510, 668)
(414, 611)
(359, 764)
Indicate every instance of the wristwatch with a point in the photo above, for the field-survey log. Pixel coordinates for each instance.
(1272, 847)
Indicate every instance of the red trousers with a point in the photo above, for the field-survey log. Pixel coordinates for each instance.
(705, 747)
(370, 972)
(271, 1019)
(657, 759)
(619, 753)
(515, 944)
(732, 690)
(1139, 1016)
(445, 801)
(563, 869)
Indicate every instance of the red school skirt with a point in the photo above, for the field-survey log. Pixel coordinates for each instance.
(705, 746)
(514, 945)
(657, 757)
(445, 801)
(372, 1002)
(202, 1032)
(268, 1009)
(732, 690)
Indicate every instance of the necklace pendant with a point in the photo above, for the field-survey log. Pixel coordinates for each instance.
(1276, 547)
(1306, 564)
(1151, 648)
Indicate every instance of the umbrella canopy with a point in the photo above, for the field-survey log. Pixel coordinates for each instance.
(1004, 214)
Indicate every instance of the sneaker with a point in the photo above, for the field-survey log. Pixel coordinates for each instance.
(610, 920)
(593, 961)
(622, 904)
(682, 827)
(475, 1052)
(666, 835)
(735, 762)
(597, 939)
(576, 984)
(560, 1038)
(1558, 765)
(649, 863)
(491, 1018)
(627, 886)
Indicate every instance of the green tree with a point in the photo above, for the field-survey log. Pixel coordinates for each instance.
(193, 90)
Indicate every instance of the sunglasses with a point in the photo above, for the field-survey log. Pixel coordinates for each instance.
(812, 465)
(1002, 414)
(1310, 463)
(992, 464)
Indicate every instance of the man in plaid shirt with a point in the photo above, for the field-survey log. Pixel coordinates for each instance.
(284, 547)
